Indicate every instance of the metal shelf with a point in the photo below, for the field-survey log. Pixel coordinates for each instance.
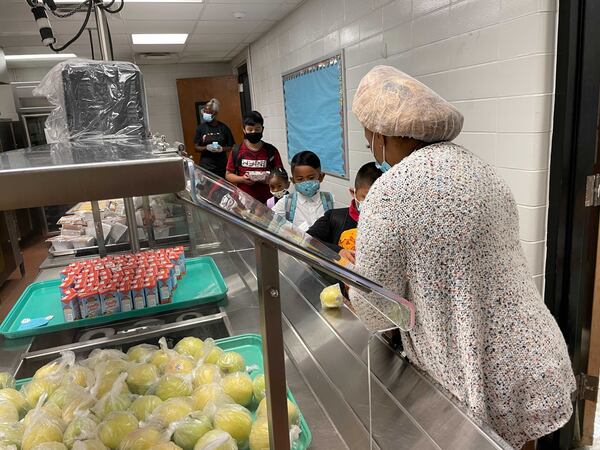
(71, 172)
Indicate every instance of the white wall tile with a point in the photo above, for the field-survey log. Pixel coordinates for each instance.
(476, 47)
(535, 253)
(481, 144)
(523, 151)
(355, 9)
(480, 115)
(530, 114)
(532, 222)
(364, 52)
(431, 28)
(527, 75)
(422, 7)
(371, 24)
(471, 15)
(528, 187)
(397, 13)
(398, 39)
(526, 35)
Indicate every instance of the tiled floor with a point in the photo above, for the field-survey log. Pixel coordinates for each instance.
(35, 250)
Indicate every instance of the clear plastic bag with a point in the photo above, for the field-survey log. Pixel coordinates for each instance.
(141, 353)
(115, 426)
(216, 440)
(238, 386)
(187, 431)
(94, 100)
(11, 434)
(81, 428)
(42, 426)
(235, 420)
(117, 399)
(170, 411)
(7, 380)
(142, 377)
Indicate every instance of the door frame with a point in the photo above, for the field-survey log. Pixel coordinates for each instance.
(572, 227)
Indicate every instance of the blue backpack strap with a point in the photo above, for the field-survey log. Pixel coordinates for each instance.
(291, 200)
(327, 200)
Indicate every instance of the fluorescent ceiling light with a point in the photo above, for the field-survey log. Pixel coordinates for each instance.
(149, 39)
(40, 57)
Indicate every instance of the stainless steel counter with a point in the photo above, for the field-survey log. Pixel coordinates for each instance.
(326, 365)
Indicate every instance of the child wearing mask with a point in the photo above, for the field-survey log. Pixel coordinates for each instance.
(279, 183)
(307, 204)
(337, 228)
(250, 164)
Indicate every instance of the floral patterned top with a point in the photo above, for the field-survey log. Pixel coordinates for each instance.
(441, 229)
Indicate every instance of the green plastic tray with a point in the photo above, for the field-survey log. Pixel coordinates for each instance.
(203, 283)
(250, 347)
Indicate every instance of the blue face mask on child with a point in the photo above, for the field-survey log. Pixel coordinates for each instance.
(308, 188)
(207, 117)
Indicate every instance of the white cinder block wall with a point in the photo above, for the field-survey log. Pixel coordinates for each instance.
(161, 90)
(494, 59)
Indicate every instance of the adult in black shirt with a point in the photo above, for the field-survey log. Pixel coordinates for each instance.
(213, 139)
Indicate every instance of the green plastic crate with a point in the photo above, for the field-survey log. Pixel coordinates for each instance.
(202, 283)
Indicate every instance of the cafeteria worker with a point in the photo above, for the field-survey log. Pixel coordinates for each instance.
(441, 228)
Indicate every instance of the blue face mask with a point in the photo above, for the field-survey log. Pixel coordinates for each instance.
(383, 166)
(357, 204)
(207, 117)
(308, 188)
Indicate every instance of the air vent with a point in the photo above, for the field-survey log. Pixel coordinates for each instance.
(158, 55)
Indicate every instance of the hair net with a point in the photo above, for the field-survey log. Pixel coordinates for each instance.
(392, 103)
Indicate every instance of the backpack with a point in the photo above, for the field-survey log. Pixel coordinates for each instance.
(270, 156)
(291, 201)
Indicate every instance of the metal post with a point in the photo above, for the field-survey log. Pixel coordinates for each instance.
(99, 13)
(267, 271)
(134, 239)
(148, 221)
(98, 228)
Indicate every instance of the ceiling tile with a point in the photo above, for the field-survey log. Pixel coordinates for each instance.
(253, 11)
(158, 48)
(220, 47)
(210, 38)
(153, 26)
(159, 11)
(226, 27)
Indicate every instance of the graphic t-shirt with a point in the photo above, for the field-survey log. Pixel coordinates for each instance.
(255, 162)
(207, 134)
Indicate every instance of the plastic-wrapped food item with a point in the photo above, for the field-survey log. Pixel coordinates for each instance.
(11, 434)
(141, 377)
(238, 386)
(179, 364)
(216, 440)
(332, 297)
(259, 388)
(42, 427)
(230, 362)
(293, 413)
(79, 375)
(206, 374)
(107, 374)
(143, 406)
(259, 435)
(114, 400)
(58, 367)
(113, 429)
(81, 428)
(37, 387)
(171, 411)
(8, 412)
(189, 430)
(190, 346)
(65, 394)
(7, 380)
(141, 353)
(210, 393)
(47, 409)
(214, 355)
(98, 356)
(16, 398)
(90, 444)
(236, 420)
(51, 446)
(145, 438)
(172, 385)
(94, 100)
(78, 406)
(166, 446)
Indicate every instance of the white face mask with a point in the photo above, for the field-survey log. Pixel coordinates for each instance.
(279, 194)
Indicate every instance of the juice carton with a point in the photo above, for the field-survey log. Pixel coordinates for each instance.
(89, 303)
(109, 299)
(165, 290)
(137, 293)
(70, 306)
(151, 291)
(125, 297)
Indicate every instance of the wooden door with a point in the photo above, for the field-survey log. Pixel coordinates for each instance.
(192, 91)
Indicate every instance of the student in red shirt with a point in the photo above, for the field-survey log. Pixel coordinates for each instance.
(250, 163)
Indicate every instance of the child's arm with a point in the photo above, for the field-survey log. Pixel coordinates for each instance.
(237, 179)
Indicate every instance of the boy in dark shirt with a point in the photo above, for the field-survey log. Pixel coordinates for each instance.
(250, 164)
(330, 228)
(213, 139)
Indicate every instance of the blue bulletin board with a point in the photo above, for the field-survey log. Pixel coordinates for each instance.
(313, 99)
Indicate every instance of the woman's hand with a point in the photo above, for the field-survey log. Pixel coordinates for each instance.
(348, 254)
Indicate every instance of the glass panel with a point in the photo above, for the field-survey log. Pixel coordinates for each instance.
(380, 312)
